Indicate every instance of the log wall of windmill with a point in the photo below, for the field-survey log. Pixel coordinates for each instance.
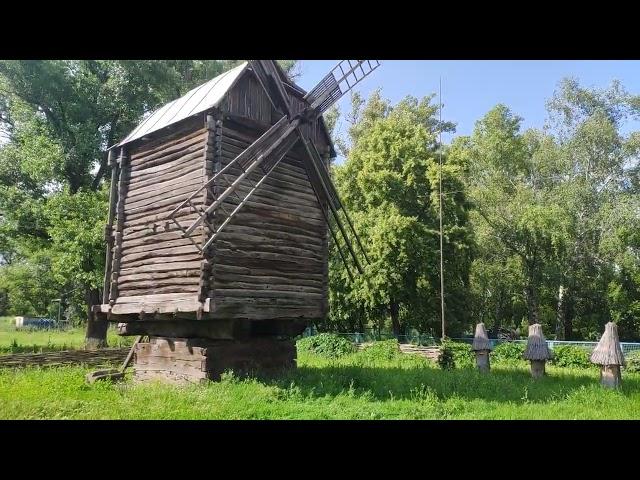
(156, 259)
(310, 130)
(269, 262)
(248, 100)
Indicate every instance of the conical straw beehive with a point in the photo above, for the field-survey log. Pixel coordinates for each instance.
(482, 348)
(537, 351)
(608, 354)
(481, 338)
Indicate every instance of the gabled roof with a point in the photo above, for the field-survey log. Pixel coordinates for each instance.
(200, 99)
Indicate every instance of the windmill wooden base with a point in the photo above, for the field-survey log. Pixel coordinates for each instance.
(182, 361)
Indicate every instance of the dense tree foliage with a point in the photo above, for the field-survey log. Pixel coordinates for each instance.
(556, 214)
(540, 225)
(57, 118)
(389, 185)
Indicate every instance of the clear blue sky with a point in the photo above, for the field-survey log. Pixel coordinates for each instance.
(471, 87)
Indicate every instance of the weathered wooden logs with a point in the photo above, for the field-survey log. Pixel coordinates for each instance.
(154, 257)
(183, 361)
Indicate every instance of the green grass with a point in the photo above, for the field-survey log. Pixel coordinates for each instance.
(352, 387)
(14, 340)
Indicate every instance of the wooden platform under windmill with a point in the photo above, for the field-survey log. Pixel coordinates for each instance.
(217, 236)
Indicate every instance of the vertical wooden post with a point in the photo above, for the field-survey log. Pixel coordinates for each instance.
(211, 157)
(610, 376)
(117, 249)
(217, 166)
(108, 232)
(483, 362)
(325, 245)
(538, 368)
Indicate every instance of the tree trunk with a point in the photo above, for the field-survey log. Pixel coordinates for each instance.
(568, 317)
(96, 336)
(561, 313)
(568, 328)
(394, 308)
(532, 303)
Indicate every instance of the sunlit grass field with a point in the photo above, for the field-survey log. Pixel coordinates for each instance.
(14, 340)
(352, 387)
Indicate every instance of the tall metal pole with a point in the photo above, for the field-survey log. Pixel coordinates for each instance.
(440, 195)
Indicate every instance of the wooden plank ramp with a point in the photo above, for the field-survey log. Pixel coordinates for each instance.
(430, 353)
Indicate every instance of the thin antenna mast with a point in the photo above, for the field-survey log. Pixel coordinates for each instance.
(440, 195)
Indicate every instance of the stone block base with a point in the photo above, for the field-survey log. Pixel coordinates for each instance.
(190, 360)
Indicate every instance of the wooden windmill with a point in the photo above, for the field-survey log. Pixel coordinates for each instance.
(220, 206)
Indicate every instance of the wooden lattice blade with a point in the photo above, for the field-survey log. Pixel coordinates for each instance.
(326, 193)
(339, 81)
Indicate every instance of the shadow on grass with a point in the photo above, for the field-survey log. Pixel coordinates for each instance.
(501, 385)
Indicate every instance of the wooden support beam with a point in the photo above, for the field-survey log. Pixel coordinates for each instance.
(113, 192)
(117, 249)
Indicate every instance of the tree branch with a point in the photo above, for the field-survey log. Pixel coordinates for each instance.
(509, 244)
(103, 161)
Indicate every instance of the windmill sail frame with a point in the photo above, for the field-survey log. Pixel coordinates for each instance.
(273, 145)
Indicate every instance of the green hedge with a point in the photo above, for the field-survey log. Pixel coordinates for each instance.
(380, 350)
(633, 361)
(571, 356)
(455, 355)
(508, 353)
(326, 345)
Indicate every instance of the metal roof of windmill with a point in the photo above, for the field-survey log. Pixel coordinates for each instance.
(195, 101)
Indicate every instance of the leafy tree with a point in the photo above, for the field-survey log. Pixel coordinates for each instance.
(389, 185)
(508, 176)
(58, 117)
(563, 203)
(599, 183)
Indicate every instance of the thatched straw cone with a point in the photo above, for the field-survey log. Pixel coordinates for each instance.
(482, 348)
(608, 354)
(537, 351)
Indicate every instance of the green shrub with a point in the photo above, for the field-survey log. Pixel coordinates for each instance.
(508, 353)
(455, 355)
(381, 350)
(633, 362)
(445, 360)
(571, 356)
(326, 345)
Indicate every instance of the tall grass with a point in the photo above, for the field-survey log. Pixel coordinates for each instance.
(355, 386)
(14, 340)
